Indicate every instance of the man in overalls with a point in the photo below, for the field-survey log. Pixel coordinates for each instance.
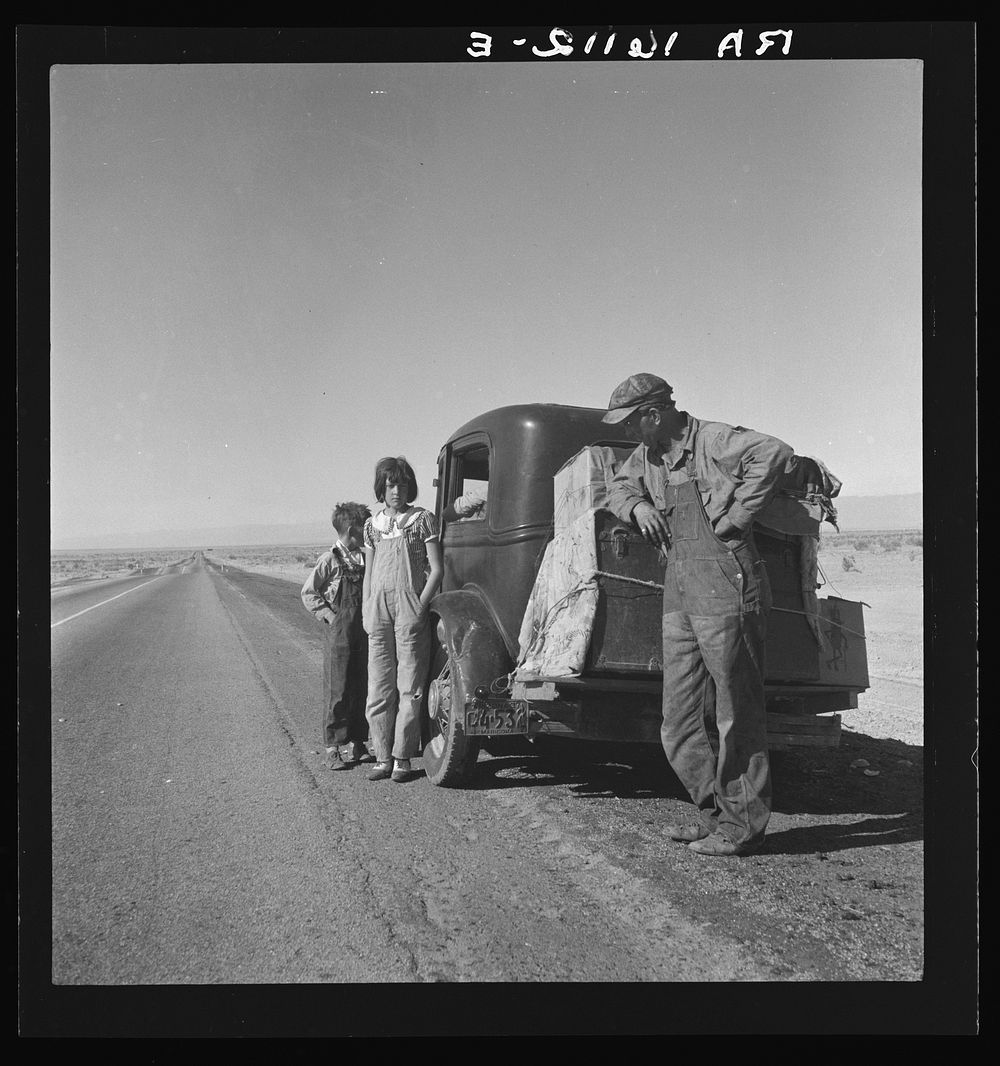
(693, 489)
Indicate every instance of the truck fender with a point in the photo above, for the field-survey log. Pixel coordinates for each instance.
(471, 638)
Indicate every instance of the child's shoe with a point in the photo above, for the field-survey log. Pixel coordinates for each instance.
(402, 771)
(334, 761)
(357, 751)
(382, 771)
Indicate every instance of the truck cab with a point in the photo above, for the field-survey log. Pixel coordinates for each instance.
(510, 456)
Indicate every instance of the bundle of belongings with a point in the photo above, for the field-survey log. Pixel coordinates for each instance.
(559, 618)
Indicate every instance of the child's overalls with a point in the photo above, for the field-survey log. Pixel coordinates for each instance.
(399, 646)
(345, 674)
(715, 601)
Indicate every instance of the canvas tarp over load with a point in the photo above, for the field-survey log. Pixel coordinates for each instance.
(559, 618)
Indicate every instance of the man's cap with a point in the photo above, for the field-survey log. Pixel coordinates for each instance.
(639, 390)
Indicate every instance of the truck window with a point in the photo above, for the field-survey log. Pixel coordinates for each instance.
(470, 484)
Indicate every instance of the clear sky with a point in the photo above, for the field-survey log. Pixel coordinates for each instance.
(264, 278)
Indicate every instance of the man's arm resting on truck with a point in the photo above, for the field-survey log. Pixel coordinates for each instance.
(628, 499)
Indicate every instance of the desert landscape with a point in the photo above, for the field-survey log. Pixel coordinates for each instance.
(885, 571)
(69, 567)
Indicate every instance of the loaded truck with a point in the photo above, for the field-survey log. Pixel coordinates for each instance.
(479, 690)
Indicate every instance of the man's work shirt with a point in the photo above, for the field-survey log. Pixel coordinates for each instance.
(738, 470)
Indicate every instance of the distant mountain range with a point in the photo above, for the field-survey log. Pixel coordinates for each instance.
(855, 512)
(293, 533)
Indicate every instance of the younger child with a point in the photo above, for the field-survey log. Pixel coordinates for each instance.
(333, 592)
(402, 572)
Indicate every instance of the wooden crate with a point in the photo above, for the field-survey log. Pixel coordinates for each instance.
(582, 482)
(627, 634)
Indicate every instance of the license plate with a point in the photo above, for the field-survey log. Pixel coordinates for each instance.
(496, 718)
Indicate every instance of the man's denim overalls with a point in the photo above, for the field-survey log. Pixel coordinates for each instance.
(715, 601)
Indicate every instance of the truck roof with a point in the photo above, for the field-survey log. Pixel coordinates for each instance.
(528, 444)
(542, 419)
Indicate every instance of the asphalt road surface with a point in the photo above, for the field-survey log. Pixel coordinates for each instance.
(198, 839)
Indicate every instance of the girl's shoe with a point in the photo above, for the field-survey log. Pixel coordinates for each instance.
(402, 771)
(382, 771)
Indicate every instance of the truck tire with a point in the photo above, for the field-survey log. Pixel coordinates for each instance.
(449, 755)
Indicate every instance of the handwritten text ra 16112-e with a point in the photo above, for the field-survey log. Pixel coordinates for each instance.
(561, 44)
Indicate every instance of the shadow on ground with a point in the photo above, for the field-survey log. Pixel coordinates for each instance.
(864, 775)
(833, 837)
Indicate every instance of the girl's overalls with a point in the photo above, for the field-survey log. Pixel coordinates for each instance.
(399, 645)
(715, 601)
(345, 678)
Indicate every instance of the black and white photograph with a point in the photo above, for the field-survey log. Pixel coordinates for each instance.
(509, 503)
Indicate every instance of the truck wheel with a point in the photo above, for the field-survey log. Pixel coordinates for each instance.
(449, 755)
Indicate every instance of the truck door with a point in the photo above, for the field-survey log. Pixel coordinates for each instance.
(464, 511)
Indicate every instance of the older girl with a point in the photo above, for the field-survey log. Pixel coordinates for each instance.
(402, 572)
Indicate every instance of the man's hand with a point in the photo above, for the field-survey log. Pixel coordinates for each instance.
(652, 525)
(326, 616)
(811, 479)
(727, 530)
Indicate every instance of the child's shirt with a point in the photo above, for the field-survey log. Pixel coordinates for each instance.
(417, 524)
(322, 589)
(416, 527)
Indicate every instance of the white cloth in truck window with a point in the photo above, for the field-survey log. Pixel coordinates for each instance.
(471, 505)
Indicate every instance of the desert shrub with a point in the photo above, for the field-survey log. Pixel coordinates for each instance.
(848, 563)
(302, 557)
(890, 544)
(862, 544)
(918, 541)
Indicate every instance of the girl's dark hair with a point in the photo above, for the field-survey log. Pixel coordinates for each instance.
(397, 470)
(346, 515)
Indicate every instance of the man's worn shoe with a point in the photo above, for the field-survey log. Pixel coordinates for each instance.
(717, 844)
(688, 832)
(382, 772)
(334, 760)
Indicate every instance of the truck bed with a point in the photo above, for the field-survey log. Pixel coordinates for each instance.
(816, 660)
